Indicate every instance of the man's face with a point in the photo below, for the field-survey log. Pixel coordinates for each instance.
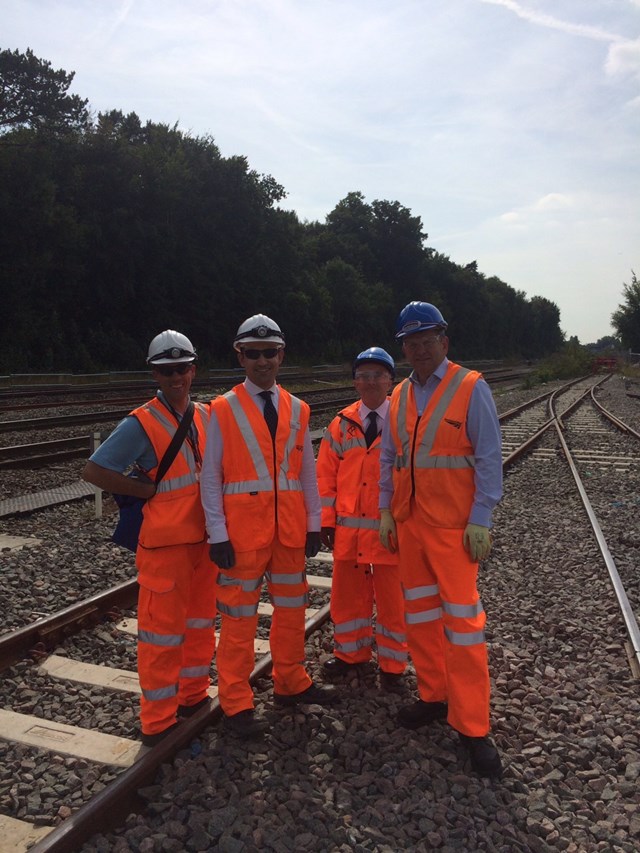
(176, 385)
(261, 362)
(373, 383)
(425, 351)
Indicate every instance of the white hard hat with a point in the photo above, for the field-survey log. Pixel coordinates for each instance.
(171, 347)
(256, 329)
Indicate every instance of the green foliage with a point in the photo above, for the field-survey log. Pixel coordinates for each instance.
(33, 95)
(115, 229)
(570, 361)
(626, 319)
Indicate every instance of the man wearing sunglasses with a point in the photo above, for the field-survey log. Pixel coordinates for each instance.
(176, 604)
(363, 570)
(440, 478)
(262, 507)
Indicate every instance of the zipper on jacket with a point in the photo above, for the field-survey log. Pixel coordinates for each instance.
(413, 453)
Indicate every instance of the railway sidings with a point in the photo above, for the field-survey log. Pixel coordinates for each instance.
(565, 702)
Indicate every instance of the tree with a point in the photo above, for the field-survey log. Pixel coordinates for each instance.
(34, 95)
(626, 319)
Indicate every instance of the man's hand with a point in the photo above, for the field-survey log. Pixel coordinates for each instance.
(312, 545)
(328, 535)
(477, 541)
(222, 554)
(388, 530)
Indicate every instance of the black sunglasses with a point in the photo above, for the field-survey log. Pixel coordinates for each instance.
(170, 369)
(254, 354)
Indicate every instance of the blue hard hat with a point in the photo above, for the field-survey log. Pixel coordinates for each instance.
(375, 355)
(417, 316)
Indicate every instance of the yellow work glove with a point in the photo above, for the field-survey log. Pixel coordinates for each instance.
(477, 541)
(388, 530)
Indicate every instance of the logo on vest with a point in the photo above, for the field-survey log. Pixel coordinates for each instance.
(455, 424)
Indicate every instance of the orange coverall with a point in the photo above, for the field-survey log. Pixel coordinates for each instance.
(266, 520)
(348, 476)
(176, 602)
(434, 489)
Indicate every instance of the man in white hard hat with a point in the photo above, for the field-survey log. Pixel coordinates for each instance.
(262, 508)
(176, 605)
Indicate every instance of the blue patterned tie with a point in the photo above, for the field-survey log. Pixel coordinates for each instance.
(270, 413)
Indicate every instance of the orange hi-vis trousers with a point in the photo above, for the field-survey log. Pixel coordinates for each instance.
(238, 594)
(176, 630)
(353, 587)
(445, 622)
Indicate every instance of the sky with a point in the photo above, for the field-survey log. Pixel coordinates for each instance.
(511, 127)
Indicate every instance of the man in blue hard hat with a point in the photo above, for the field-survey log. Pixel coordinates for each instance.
(441, 477)
(348, 470)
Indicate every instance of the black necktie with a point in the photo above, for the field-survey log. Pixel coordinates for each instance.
(371, 432)
(270, 413)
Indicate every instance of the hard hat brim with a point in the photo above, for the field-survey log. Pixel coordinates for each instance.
(181, 360)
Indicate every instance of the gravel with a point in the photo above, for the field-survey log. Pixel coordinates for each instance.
(565, 709)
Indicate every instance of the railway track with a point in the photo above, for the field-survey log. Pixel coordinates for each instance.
(571, 418)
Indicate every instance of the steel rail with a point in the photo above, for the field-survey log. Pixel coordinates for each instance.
(46, 633)
(625, 607)
(110, 807)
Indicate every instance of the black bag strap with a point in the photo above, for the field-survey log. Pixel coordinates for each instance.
(176, 442)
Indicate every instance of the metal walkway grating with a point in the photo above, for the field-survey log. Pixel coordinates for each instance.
(50, 497)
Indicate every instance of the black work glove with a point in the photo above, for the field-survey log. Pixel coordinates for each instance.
(328, 535)
(312, 545)
(222, 554)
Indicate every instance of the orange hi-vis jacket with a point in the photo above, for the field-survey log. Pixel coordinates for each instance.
(348, 475)
(434, 457)
(261, 486)
(174, 515)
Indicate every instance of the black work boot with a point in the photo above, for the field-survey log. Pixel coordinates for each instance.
(485, 758)
(245, 724)
(324, 694)
(421, 713)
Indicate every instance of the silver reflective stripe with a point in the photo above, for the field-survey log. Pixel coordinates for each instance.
(361, 523)
(248, 435)
(284, 483)
(194, 671)
(287, 484)
(333, 444)
(244, 610)
(287, 579)
(200, 623)
(381, 631)
(170, 485)
(424, 461)
(414, 592)
(290, 601)
(185, 451)
(247, 585)
(392, 654)
(438, 413)
(476, 638)
(327, 501)
(423, 616)
(402, 460)
(353, 625)
(349, 442)
(160, 639)
(244, 487)
(160, 693)
(361, 643)
(205, 411)
(463, 611)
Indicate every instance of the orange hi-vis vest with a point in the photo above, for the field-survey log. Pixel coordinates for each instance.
(434, 458)
(174, 515)
(261, 485)
(348, 475)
